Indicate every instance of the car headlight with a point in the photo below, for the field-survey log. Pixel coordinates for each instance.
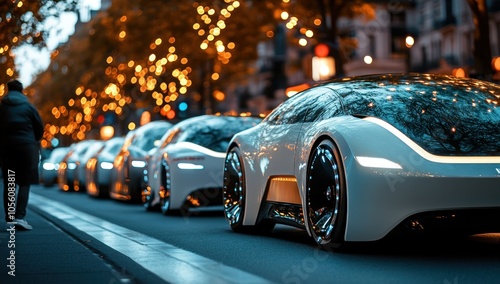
(106, 165)
(189, 166)
(71, 166)
(49, 166)
(371, 162)
(138, 164)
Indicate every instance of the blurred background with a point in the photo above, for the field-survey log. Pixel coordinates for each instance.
(114, 65)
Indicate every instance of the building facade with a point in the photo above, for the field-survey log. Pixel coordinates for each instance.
(442, 33)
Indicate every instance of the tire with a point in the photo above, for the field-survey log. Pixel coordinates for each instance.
(234, 192)
(326, 195)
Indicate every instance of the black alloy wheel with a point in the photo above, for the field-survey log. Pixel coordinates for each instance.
(326, 201)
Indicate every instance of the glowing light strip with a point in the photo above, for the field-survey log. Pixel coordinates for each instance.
(371, 162)
(138, 164)
(200, 149)
(106, 165)
(428, 156)
(190, 166)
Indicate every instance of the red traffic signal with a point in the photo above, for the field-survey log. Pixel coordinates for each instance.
(321, 50)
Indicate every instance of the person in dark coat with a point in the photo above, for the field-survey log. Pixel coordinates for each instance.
(21, 130)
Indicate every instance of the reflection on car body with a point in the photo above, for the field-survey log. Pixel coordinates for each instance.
(357, 159)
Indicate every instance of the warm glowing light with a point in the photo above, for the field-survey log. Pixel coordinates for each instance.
(368, 59)
(409, 41)
(290, 91)
(496, 63)
(323, 68)
(131, 126)
(302, 42)
(145, 118)
(107, 132)
(170, 114)
(284, 15)
(218, 95)
(458, 72)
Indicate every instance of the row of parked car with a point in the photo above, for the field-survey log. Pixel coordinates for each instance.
(351, 160)
(172, 167)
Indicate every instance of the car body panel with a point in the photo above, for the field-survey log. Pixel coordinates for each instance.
(193, 167)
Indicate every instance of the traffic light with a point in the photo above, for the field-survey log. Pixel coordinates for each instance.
(322, 50)
(183, 109)
(323, 63)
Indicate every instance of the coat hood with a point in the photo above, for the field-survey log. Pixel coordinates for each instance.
(15, 98)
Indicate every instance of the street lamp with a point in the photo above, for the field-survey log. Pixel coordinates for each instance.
(409, 42)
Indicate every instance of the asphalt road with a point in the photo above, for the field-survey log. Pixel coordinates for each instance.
(288, 255)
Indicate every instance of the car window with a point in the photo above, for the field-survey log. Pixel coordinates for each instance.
(148, 139)
(215, 132)
(323, 105)
(306, 106)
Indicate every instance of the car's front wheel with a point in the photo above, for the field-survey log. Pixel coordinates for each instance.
(326, 196)
(234, 195)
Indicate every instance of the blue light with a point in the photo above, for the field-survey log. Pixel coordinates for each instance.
(183, 106)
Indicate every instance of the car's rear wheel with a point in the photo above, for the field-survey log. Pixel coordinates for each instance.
(234, 195)
(326, 196)
(165, 188)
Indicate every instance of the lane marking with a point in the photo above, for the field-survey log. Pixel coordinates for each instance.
(170, 263)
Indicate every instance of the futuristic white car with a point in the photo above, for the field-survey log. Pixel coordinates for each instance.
(359, 158)
(186, 170)
(129, 164)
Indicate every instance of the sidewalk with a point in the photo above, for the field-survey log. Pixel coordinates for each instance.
(46, 254)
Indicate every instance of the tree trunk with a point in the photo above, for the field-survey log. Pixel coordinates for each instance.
(482, 48)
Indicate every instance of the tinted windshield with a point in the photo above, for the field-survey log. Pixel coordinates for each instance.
(58, 154)
(212, 132)
(149, 136)
(444, 115)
